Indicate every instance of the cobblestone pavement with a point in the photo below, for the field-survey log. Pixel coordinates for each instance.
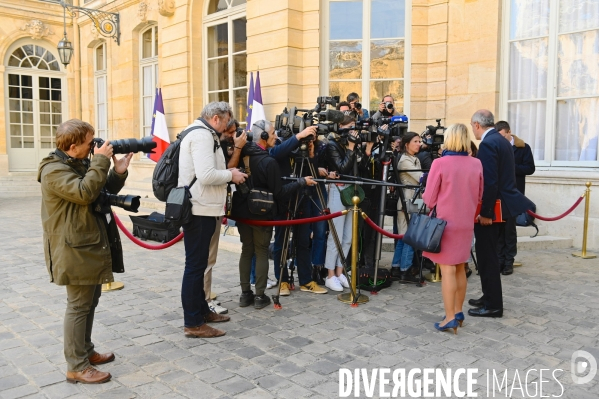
(551, 310)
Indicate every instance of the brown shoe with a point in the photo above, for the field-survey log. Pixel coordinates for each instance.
(216, 318)
(100, 358)
(88, 376)
(203, 331)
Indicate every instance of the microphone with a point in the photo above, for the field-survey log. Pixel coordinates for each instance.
(334, 116)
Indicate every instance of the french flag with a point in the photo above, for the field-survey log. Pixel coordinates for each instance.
(257, 105)
(159, 130)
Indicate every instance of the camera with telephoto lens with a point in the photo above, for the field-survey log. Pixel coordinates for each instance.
(293, 121)
(242, 187)
(433, 137)
(389, 105)
(125, 146)
(105, 200)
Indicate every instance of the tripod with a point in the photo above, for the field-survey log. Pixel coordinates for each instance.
(288, 254)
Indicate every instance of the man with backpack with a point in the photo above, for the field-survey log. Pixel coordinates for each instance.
(202, 167)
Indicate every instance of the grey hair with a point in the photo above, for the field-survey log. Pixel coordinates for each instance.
(232, 122)
(484, 117)
(257, 128)
(217, 108)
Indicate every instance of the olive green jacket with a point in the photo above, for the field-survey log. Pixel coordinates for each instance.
(80, 247)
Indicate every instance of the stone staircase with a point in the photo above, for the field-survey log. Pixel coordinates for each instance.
(17, 185)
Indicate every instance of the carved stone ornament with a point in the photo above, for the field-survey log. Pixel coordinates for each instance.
(94, 31)
(37, 29)
(142, 12)
(166, 7)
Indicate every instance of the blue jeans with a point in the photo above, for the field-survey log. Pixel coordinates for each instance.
(403, 256)
(198, 233)
(253, 271)
(319, 229)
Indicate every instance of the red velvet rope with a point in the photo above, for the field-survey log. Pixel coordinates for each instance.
(142, 243)
(382, 231)
(289, 222)
(563, 215)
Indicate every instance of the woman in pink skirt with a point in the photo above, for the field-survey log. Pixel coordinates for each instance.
(454, 186)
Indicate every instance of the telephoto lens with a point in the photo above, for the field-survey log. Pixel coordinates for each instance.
(358, 105)
(125, 146)
(389, 105)
(127, 202)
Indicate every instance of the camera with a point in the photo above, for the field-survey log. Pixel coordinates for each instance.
(127, 202)
(433, 138)
(293, 121)
(125, 146)
(240, 131)
(389, 105)
(243, 188)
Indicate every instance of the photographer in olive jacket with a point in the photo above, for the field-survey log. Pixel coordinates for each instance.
(81, 241)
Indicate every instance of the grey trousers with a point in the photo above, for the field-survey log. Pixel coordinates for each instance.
(78, 322)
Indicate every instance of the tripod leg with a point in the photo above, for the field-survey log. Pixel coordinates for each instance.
(333, 232)
(283, 271)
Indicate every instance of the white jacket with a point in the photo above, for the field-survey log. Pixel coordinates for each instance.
(197, 157)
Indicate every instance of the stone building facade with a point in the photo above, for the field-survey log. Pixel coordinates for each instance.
(533, 63)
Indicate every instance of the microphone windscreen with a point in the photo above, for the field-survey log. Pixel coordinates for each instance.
(334, 116)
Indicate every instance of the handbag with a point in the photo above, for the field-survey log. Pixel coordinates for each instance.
(178, 205)
(260, 202)
(349, 192)
(424, 232)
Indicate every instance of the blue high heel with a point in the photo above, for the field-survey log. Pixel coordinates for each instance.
(459, 317)
(452, 324)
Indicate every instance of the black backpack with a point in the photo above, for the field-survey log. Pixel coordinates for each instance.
(166, 171)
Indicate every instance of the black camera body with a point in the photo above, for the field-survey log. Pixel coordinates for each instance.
(125, 146)
(243, 188)
(433, 138)
(240, 131)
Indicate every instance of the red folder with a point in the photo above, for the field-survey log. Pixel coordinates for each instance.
(498, 214)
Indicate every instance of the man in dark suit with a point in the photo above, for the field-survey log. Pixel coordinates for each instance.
(497, 158)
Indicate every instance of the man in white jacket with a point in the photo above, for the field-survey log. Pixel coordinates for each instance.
(200, 157)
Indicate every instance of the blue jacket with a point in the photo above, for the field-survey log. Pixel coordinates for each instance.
(499, 172)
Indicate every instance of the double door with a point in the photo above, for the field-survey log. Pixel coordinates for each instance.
(35, 109)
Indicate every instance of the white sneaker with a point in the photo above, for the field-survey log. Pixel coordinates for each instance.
(333, 283)
(270, 283)
(217, 308)
(343, 280)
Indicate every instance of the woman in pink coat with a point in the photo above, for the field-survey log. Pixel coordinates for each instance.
(455, 187)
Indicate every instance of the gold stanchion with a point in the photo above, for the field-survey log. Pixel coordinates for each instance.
(434, 278)
(587, 201)
(349, 297)
(112, 286)
(517, 264)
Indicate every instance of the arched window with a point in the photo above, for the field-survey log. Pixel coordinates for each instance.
(366, 50)
(100, 86)
(35, 104)
(225, 49)
(148, 76)
(32, 56)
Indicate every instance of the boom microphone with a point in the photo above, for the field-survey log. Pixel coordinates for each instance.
(334, 116)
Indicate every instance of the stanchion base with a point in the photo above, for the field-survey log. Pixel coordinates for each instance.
(517, 264)
(112, 286)
(587, 255)
(431, 278)
(347, 298)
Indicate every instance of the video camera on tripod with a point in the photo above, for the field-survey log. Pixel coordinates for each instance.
(433, 138)
(293, 121)
(371, 129)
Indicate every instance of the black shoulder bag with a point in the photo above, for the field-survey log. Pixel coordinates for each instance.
(424, 232)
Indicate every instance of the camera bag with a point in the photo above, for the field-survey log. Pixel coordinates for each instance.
(178, 205)
(154, 227)
(366, 279)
